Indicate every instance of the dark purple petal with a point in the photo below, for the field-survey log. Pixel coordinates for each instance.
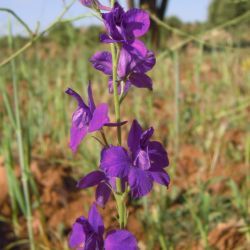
(158, 155)
(160, 177)
(110, 85)
(104, 38)
(91, 99)
(95, 220)
(118, 13)
(144, 64)
(121, 86)
(134, 137)
(77, 134)
(120, 239)
(93, 242)
(141, 80)
(142, 160)
(140, 182)
(102, 194)
(91, 179)
(115, 161)
(145, 137)
(115, 124)
(136, 48)
(135, 23)
(126, 63)
(102, 61)
(109, 22)
(100, 117)
(78, 98)
(77, 236)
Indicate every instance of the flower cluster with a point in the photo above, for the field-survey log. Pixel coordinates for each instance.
(123, 171)
(87, 234)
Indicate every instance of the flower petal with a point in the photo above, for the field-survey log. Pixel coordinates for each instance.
(136, 48)
(135, 23)
(102, 61)
(76, 136)
(134, 137)
(102, 194)
(110, 21)
(120, 239)
(142, 160)
(160, 177)
(91, 99)
(145, 137)
(140, 182)
(141, 80)
(115, 124)
(93, 242)
(104, 38)
(100, 117)
(126, 63)
(95, 220)
(77, 236)
(144, 64)
(115, 161)
(91, 179)
(158, 155)
(78, 98)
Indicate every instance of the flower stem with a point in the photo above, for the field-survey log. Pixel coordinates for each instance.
(104, 138)
(120, 198)
(115, 57)
(119, 194)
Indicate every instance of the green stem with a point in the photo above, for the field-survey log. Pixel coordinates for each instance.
(26, 26)
(24, 168)
(177, 92)
(104, 138)
(119, 196)
(115, 57)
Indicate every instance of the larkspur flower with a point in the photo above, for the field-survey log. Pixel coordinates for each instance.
(87, 234)
(87, 118)
(131, 69)
(95, 4)
(125, 27)
(144, 166)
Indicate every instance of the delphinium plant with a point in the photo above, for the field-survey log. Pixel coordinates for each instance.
(127, 170)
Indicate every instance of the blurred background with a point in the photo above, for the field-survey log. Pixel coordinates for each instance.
(200, 109)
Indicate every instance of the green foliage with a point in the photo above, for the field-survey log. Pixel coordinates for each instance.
(63, 34)
(223, 10)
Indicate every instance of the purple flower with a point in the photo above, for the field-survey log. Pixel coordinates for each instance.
(131, 68)
(94, 4)
(86, 119)
(145, 164)
(124, 27)
(87, 234)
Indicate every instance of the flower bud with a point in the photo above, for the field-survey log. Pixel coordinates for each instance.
(94, 4)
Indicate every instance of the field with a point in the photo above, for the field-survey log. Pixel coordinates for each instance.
(200, 109)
